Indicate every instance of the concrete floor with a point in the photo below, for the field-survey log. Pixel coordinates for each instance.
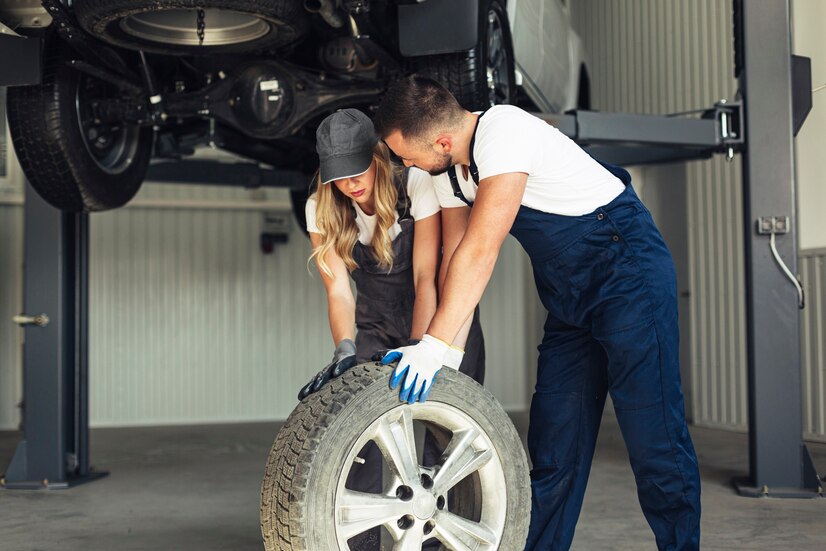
(196, 488)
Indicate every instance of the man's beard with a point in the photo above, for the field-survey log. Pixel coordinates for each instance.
(445, 162)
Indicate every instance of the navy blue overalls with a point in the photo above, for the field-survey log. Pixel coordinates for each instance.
(608, 283)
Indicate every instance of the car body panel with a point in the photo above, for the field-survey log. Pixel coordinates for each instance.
(438, 27)
(547, 52)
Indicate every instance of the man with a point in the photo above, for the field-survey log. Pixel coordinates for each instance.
(602, 271)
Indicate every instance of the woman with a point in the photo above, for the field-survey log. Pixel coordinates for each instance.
(382, 228)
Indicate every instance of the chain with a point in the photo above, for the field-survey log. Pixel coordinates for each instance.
(201, 26)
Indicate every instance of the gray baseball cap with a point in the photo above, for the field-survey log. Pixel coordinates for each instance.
(345, 142)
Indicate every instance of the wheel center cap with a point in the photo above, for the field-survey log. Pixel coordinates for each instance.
(424, 505)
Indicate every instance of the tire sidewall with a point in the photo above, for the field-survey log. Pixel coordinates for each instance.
(452, 388)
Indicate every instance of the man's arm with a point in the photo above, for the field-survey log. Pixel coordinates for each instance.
(498, 199)
(426, 238)
(454, 225)
(497, 203)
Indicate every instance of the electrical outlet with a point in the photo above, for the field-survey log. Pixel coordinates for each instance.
(767, 225)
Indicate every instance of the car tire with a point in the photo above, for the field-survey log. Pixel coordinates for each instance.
(298, 200)
(154, 26)
(479, 489)
(466, 74)
(73, 163)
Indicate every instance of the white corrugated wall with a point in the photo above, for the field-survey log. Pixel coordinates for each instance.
(191, 323)
(813, 353)
(11, 279)
(11, 293)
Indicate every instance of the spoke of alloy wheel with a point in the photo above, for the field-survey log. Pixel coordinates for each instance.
(460, 534)
(411, 540)
(461, 460)
(357, 512)
(496, 49)
(397, 443)
(495, 59)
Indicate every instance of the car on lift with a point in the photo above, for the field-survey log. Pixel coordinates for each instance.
(121, 83)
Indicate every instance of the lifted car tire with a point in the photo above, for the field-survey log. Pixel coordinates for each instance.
(73, 163)
(478, 492)
(163, 26)
(298, 199)
(466, 74)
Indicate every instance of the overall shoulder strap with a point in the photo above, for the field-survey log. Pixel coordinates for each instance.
(454, 183)
(403, 200)
(474, 170)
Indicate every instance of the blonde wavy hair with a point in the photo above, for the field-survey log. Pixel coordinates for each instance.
(337, 224)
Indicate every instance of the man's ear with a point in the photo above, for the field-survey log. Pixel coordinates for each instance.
(444, 143)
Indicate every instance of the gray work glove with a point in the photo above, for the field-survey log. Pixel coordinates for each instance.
(344, 358)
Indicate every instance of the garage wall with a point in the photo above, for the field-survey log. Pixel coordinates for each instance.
(808, 40)
(813, 355)
(658, 57)
(191, 323)
(11, 280)
(11, 291)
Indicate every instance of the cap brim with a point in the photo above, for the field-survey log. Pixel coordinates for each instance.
(348, 166)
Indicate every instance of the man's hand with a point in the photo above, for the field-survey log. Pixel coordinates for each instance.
(344, 358)
(418, 365)
(453, 358)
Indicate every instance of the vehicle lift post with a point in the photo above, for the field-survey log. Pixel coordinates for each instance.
(779, 462)
(54, 451)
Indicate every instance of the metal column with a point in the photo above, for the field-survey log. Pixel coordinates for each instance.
(780, 465)
(55, 450)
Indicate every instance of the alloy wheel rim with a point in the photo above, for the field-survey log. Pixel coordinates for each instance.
(112, 147)
(418, 503)
(179, 27)
(496, 64)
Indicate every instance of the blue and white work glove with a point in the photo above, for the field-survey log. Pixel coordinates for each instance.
(344, 358)
(453, 358)
(418, 365)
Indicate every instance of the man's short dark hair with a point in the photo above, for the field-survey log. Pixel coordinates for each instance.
(417, 106)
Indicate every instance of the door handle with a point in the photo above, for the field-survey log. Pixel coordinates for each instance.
(40, 320)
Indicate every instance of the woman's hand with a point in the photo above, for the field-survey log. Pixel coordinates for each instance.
(344, 358)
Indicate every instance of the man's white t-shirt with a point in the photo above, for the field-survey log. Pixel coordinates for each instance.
(423, 204)
(562, 177)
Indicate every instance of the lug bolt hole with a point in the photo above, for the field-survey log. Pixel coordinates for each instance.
(441, 502)
(428, 527)
(404, 493)
(405, 522)
(427, 482)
